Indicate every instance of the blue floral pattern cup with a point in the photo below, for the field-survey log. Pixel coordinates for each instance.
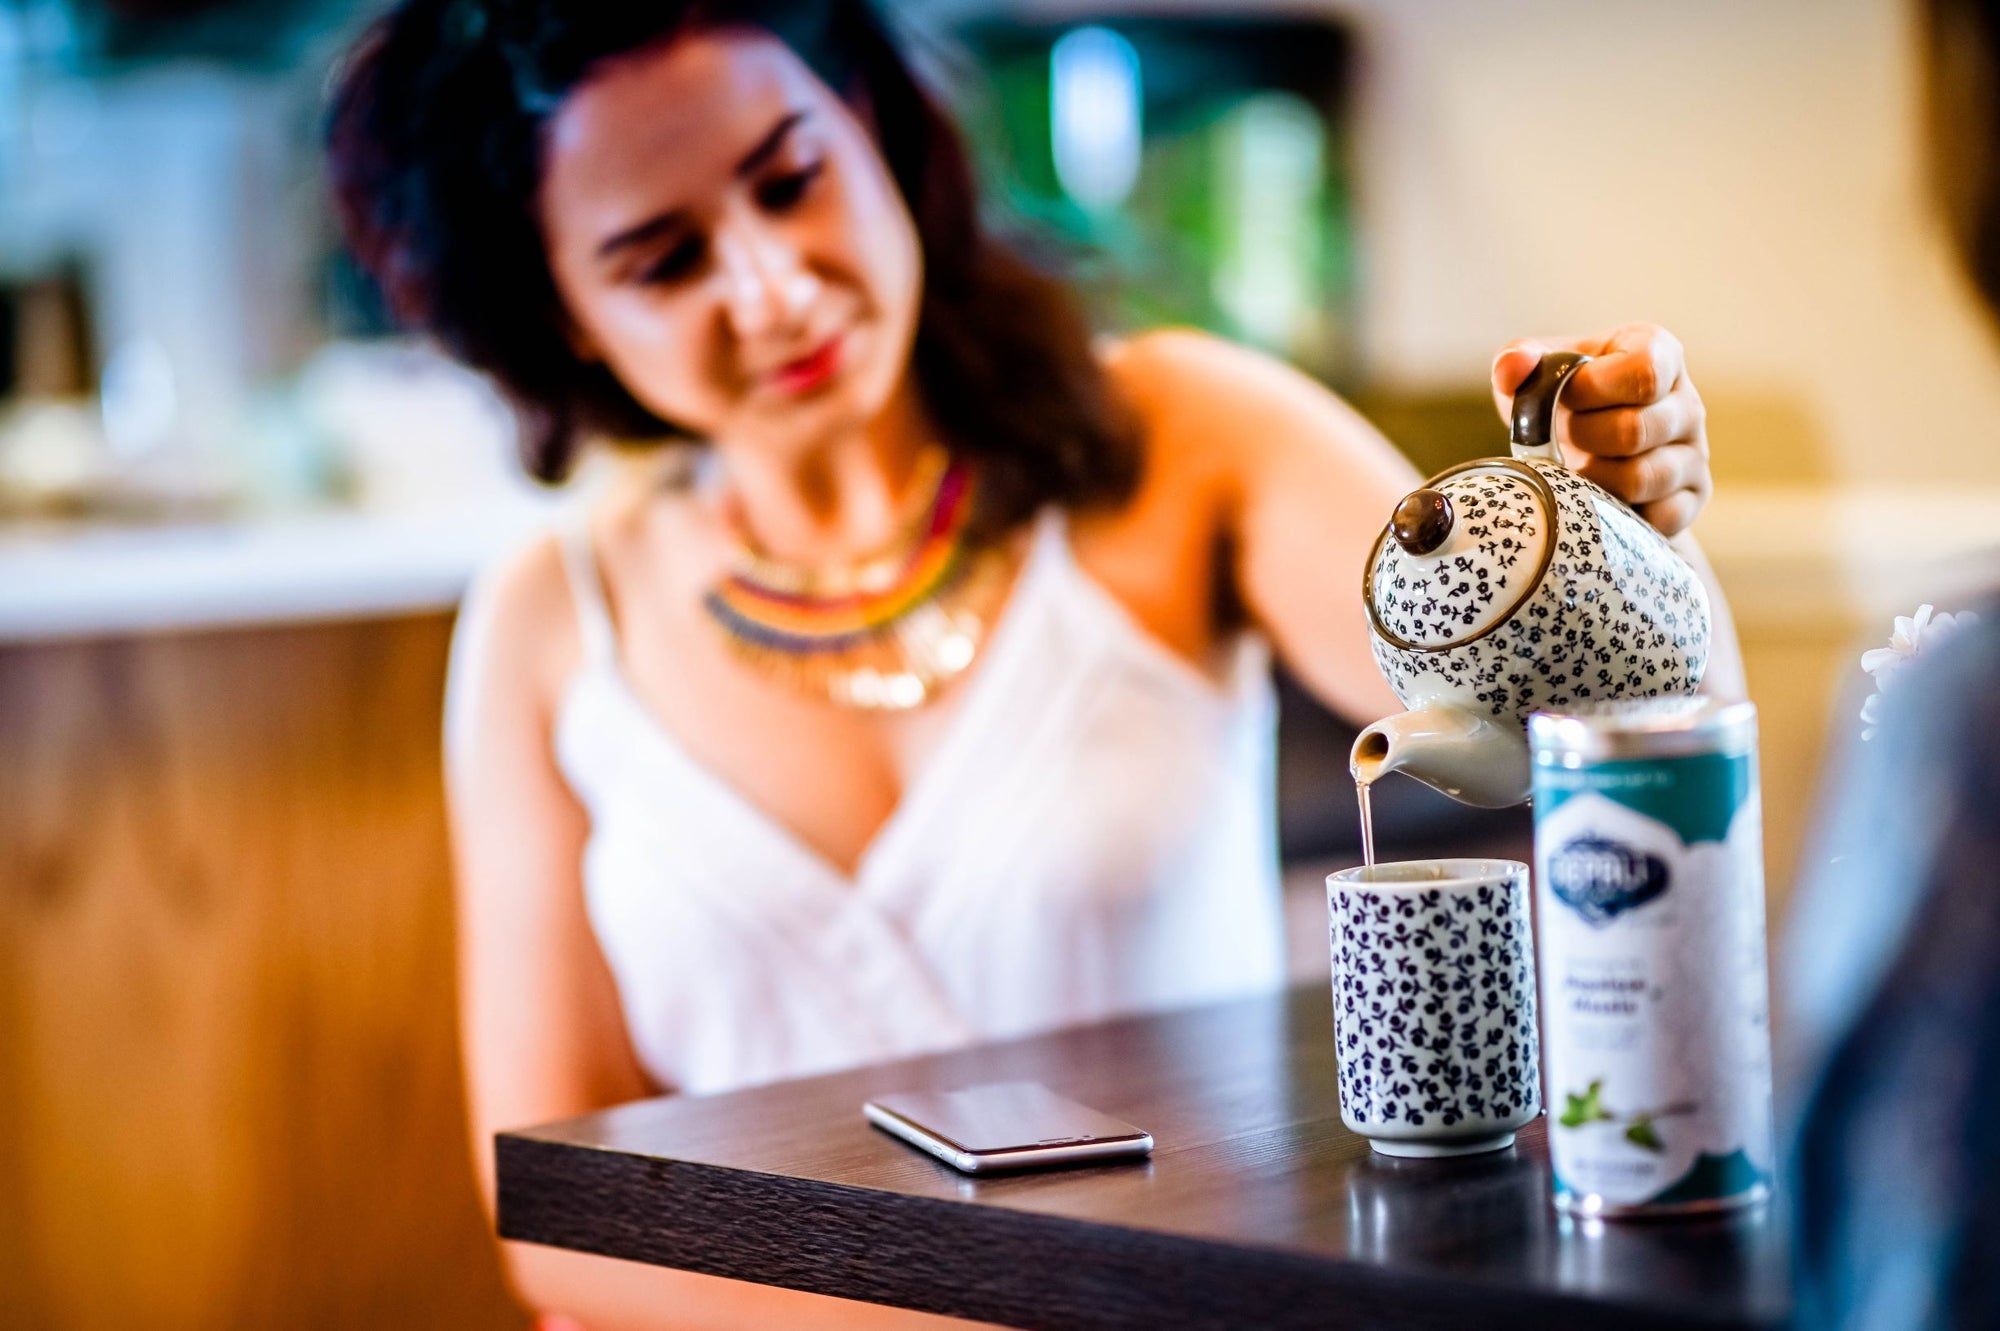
(1434, 1004)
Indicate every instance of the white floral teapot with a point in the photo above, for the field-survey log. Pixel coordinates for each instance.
(1511, 585)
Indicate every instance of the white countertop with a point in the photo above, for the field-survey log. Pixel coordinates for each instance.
(1806, 555)
(80, 580)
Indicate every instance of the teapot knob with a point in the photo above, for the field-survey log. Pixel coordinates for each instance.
(1422, 521)
(1533, 430)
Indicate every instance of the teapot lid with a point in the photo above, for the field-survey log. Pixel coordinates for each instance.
(1460, 555)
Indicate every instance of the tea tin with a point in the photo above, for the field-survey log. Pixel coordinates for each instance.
(1650, 909)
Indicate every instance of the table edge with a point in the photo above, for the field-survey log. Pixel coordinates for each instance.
(745, 1224)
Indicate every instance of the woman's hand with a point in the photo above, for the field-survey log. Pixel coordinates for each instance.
(1629, 420)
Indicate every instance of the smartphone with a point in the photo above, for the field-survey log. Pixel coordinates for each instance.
(1005, 1125)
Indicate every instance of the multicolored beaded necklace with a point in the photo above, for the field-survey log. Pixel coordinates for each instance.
(882, 635)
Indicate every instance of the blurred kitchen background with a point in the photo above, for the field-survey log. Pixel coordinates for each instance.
(235, 511)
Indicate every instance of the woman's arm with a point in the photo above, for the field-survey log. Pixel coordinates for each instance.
(1724, 677)
(1298, 483)
(543, 1037)
(1309, 483)
(543, 1034)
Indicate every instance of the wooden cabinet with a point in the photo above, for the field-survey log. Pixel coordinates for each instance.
(229, 1080)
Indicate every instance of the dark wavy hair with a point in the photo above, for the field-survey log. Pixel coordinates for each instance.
(1961, 59)
(434, 138)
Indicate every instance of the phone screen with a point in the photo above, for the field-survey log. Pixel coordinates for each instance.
(1006, 1116)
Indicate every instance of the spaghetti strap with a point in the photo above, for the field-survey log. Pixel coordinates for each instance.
(586, 589)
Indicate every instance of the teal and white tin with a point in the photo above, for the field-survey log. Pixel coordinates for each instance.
(1649, 881)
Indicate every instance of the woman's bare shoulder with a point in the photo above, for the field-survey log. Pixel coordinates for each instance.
(1243, 408)
(521, 612)
(517, 635)
(1191, 368)
(1215, 414)
(1178, 383)
(1194, 390)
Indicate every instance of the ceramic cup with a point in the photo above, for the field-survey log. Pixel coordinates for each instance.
(1434, 1004)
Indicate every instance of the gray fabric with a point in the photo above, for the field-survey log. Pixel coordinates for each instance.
(1893, 991)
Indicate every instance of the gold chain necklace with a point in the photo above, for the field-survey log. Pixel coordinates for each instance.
(870, 573)
(885, 633)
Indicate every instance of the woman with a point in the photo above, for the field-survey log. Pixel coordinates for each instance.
(931, 707)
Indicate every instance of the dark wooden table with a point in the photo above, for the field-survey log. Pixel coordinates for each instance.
(1258, 1208)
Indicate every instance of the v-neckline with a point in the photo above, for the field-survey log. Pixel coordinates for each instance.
(930, 776)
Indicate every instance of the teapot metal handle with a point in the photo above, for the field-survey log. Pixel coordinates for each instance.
(1533, 433)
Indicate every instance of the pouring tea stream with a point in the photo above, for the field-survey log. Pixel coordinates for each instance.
(1509, 585)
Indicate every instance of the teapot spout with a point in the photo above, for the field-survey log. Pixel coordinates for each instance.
(1470, 758)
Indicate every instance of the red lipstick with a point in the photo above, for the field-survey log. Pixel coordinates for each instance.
(810, 370)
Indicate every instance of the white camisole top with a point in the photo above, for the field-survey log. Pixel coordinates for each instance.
(1093, 835)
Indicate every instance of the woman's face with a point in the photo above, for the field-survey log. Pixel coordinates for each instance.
(728, 241)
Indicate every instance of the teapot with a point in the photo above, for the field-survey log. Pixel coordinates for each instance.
(1510, 585)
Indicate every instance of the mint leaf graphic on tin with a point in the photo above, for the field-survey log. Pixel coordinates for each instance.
(1640, 1128)
(1641, 1134)
(1585, 1108)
